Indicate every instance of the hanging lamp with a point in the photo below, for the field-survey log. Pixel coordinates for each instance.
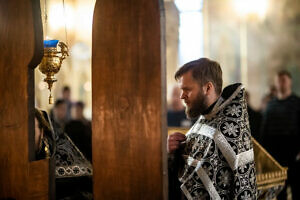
(53, 56)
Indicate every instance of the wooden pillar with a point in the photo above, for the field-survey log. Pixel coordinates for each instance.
(128, 94)
(21, 49)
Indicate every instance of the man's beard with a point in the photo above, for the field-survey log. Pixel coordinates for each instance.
(198, 107)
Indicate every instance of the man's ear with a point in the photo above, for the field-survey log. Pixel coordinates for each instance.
(209, 87)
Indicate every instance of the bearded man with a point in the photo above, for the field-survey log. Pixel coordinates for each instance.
(215, 157)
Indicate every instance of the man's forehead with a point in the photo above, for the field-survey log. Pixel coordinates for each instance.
(282, 77)
(186, 79)
(180, 82)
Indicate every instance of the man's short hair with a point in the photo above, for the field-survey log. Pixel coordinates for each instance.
(203, 70)
(66, 88)
(59, 102)
(79, 104)
(284, 73)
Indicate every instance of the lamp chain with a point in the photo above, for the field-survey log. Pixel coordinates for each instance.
(45, 19)
(66, 34)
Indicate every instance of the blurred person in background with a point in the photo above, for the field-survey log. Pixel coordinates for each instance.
(59, 113)
(281, 130)
(268, 97)
(71, 152)
(66, 96)
(176, 113)
(78, 113)
(79, 130)
(255, 118)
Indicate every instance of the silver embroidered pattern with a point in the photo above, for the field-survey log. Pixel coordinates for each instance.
(234, 110)
(246, 196)
(218, 153)
(208, 184)
(224, 178)
(233, 160)
(231, 129)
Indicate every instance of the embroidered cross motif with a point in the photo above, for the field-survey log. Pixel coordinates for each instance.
(231, 129)
(225, 177)
(234, 110)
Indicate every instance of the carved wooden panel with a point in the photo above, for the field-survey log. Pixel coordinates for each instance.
(21, 49)
(128, 94)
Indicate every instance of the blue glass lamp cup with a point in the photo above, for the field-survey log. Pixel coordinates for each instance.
(50, 43)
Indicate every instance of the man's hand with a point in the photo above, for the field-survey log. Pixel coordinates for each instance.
(174, 141)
